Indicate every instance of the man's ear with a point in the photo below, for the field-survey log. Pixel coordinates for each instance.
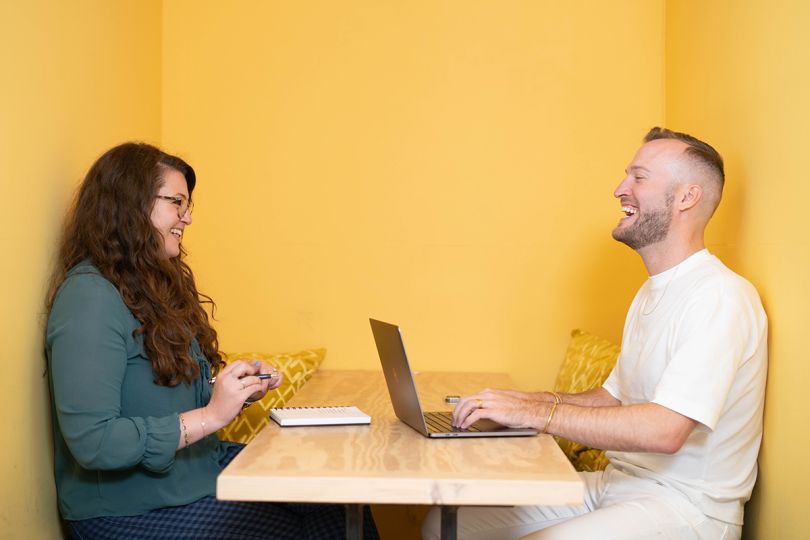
(690, 197)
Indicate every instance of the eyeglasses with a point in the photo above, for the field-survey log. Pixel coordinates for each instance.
(181, 203)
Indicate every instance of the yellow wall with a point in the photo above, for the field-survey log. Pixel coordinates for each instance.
(738, 73)
(448, 166)
(77, 77)
(445, 165)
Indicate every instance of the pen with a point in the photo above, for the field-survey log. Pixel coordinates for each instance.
(262, 376)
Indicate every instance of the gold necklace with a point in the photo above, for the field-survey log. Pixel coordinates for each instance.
(663, 293)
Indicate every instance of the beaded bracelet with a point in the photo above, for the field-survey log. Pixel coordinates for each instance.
(185, 429)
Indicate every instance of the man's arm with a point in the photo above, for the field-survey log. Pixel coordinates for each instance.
(646, 427)
(597, 397)
(594, 418)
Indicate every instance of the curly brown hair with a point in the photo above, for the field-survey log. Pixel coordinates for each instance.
(109, 224)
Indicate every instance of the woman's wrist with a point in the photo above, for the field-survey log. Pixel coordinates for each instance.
(213, 422)
(184, 440)
(202, 423)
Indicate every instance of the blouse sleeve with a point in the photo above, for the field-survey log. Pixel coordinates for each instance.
(87, 340)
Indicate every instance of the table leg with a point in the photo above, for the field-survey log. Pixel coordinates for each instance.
(449, 522)
(354, 522)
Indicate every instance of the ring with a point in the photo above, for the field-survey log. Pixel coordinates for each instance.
(480, 403)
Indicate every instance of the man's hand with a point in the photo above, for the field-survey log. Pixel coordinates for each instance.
(508, 407)
(593, 418)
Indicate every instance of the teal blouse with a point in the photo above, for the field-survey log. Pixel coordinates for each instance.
(116, 431)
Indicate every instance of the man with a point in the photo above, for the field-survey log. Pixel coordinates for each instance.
(681, 413)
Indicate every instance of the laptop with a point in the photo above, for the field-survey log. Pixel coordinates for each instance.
(404, 398)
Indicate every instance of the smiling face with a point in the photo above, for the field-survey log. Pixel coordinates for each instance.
(647, 194)
(165, 212)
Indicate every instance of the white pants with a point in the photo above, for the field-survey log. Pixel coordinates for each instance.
(617, 507)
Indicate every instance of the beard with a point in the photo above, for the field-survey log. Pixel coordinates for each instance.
(651, 227)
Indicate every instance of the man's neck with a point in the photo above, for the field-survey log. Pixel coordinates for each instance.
(664, 255)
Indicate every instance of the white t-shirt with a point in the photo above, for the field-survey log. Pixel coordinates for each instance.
(695, 341)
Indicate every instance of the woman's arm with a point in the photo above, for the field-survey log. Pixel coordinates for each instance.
(234, 385)
(88, 332)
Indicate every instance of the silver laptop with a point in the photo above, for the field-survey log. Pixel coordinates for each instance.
(404, 398)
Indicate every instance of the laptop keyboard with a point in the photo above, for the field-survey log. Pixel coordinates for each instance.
(442, 422)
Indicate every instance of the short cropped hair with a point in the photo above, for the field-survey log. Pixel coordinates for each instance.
(696, 149)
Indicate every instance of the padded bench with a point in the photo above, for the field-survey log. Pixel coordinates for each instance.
(588, 361)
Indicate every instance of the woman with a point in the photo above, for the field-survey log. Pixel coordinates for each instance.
(132, 359)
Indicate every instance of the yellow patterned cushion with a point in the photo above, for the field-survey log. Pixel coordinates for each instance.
(588, 362)
(296, 368)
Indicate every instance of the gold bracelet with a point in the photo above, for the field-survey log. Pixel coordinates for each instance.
(557, 398)
(185, 430)
(550, 416)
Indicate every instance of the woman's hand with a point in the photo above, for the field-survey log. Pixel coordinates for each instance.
(235, 384)
(266, 384)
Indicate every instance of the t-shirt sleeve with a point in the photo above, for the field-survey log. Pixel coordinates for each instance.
(713, 332)
(610, 383)
(87, 342)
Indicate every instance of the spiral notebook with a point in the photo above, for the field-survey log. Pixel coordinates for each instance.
(318, 416)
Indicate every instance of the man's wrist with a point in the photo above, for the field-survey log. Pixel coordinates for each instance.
(551, 411)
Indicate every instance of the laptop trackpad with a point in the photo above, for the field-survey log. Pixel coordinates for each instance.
(488, 425)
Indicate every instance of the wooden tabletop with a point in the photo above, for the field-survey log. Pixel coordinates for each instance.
(388, 462)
